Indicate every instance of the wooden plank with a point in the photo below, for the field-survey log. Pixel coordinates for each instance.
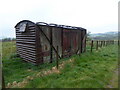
(29, 60)
(26, 50)
(30, 30)
(33, 54)
(25, 45)
(25, 42)
(27, 57)
(30, 48)
(19, 46)
(33, 40)
(29, 53)
(91, 45)
(25, 37)
(96, 45)
(19, 33)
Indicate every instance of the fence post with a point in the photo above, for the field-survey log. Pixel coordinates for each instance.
(118, 42)
(101, 44)
(97, 45)
(104, 42)
(91, 45)
(57, 58)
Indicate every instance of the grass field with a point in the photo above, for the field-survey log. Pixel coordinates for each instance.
(90, 70)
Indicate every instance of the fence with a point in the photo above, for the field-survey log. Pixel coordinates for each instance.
(95, 45)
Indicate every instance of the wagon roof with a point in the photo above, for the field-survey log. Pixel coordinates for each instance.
(52, 25)
(60, 26)
(23, 21)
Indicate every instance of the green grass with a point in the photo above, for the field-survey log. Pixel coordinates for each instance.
(14, 68)
(89, 70)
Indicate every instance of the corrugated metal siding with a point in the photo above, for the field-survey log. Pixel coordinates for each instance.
(26, 43)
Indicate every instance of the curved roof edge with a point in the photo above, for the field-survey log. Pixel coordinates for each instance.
(51, 24)
(23, 21)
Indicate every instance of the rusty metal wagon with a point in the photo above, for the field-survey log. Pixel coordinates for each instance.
(41, 42)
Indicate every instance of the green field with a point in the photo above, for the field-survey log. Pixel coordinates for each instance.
(89, 70)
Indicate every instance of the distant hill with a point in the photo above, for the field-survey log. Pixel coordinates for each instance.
(105, 36)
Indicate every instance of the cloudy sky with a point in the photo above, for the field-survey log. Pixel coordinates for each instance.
(97, 16)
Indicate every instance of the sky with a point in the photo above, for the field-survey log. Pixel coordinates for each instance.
(97, 16)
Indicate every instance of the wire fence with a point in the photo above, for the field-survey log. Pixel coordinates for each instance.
(96, 44)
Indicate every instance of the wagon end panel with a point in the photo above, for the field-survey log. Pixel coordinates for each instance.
(26, 40)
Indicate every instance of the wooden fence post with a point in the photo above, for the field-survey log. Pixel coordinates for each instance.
(57, 58)
(97, 45)
(104, 42)
(101, 44)
(91, 45)
(118, 42)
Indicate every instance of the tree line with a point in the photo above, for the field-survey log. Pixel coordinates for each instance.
(8, 39)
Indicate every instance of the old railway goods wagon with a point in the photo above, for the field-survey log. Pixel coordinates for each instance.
(41, 42)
